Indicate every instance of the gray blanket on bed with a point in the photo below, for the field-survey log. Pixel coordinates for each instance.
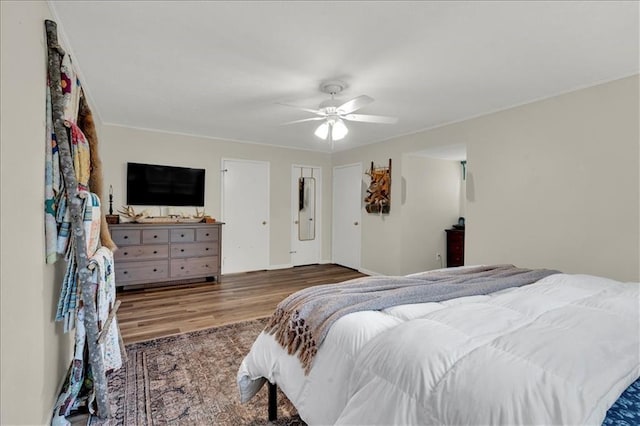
(302, 320)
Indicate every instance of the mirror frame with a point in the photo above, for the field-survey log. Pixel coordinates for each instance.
(306, 208)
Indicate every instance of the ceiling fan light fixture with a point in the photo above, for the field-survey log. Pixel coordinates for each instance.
(339, 130)
(332, 112)
(322, 131)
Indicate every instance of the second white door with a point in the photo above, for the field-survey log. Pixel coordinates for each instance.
(245, 211)
(306, 205)
(347, 208)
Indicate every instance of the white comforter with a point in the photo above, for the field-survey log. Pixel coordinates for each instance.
(559, 351)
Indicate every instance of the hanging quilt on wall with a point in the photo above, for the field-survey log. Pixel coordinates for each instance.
(84, 146)
(53, 183)
(74, 228)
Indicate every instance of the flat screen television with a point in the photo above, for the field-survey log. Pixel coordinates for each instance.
(157, 185)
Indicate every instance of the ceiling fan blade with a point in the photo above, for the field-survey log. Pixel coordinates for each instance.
(314, 111)
(354, 104)
(303, 120)
(370, 118)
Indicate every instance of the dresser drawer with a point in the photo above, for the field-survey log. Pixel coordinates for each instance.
(194, 249)
(207, 234)
(455, 247)
(155, 236)
(141, 271)
(142, 252)
(455, 238)
(202, 266)
(124, 237)
(183, 235)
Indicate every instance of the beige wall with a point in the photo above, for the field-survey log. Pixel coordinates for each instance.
(35, 354)
(381, 234)
(118, 145)
(556, 183)
(386, 240)
(551, 184)
(424, 202)
(430, 203)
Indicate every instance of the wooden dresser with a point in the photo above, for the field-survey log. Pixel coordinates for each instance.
(455, 247)
(176, 252)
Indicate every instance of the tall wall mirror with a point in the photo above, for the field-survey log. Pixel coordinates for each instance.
(306, 208)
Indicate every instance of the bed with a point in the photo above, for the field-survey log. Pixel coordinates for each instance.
(560, 350)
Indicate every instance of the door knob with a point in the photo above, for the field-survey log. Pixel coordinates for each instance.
(296, 222)
(355, 223)
(264, 222)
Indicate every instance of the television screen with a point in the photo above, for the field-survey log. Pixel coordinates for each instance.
(156, 185)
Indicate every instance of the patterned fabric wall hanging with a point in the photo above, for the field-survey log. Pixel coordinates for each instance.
(378, 199)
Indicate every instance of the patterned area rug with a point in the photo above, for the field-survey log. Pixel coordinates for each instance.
(190, 379)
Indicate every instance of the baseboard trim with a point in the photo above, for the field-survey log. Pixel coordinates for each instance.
(368, 272)
(282, 266)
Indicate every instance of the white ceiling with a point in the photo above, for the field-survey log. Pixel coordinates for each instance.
(219, 69)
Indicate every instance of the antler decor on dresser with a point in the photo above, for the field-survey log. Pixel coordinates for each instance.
(130, 213)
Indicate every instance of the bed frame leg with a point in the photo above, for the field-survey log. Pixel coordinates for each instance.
(273, 402)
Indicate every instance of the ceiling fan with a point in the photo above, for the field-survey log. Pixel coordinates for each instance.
(333, 112)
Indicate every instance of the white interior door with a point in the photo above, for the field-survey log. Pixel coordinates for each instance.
(347, 210)
(245, 211)
(306, 205)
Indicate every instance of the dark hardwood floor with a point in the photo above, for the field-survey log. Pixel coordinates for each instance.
(163, 311)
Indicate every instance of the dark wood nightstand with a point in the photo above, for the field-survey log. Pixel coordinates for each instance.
(455, 247)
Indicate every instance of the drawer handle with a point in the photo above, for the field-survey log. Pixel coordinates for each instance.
(126, 253)
(181, 249)
(206, 266)
(155, 236)
(181, 235)
(155, 270)
(182, 267)
(154, 252)
(206, 249)
(126, 237)
(125, 272)
(207, 234)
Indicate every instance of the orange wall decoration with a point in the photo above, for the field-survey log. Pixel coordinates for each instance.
(378, 199)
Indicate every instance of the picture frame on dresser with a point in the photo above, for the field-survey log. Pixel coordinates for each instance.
(166, 253)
